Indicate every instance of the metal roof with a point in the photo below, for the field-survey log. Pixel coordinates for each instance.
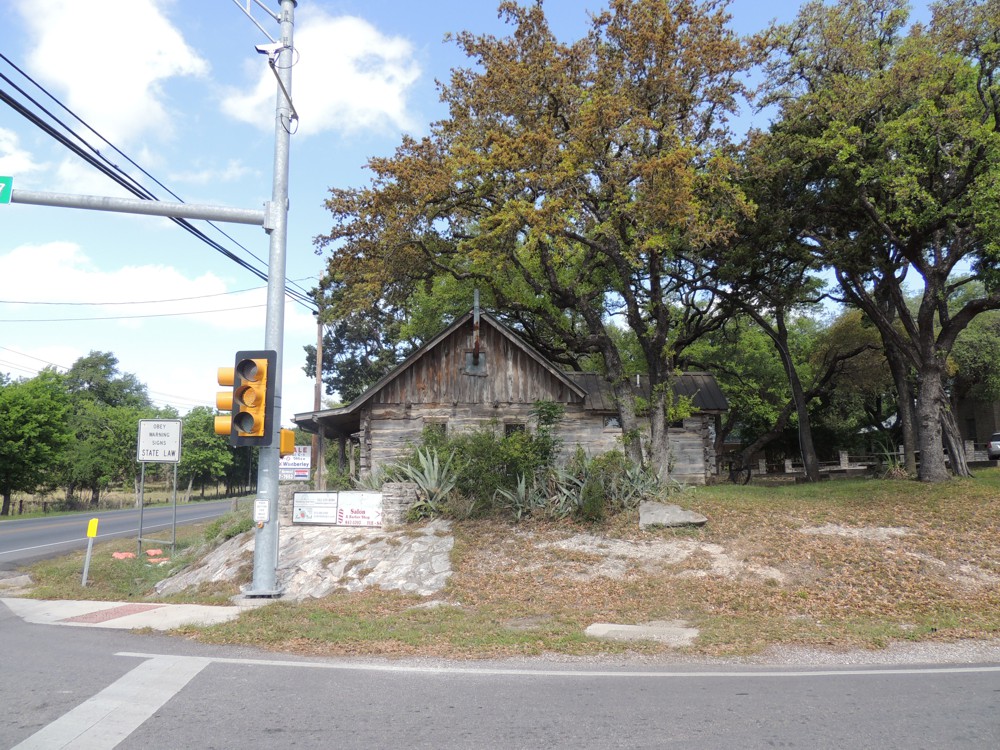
(596, 391)
(700, 387)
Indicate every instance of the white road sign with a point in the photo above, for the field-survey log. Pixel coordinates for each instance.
(338, 508)
(159, 441)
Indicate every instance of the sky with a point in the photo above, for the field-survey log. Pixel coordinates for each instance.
(177, 86)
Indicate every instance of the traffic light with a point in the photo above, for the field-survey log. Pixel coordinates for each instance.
(286, 443)
(251, 399)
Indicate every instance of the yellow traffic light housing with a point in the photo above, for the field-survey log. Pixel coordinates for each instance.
(251, 399)
(286, 444)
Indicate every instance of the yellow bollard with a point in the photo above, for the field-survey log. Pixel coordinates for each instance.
(91, 533)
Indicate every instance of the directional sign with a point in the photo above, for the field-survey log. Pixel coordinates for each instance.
(6, 188)
(159, 441)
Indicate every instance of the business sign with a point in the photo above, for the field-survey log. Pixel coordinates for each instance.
(6, 188)
(295, 467)
(159, 441)
(338, 508)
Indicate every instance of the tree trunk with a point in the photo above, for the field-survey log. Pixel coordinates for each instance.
(906, 412)
(957, 459)
(187, 492)
(95, 497)
(930, 404)
(631, 434)
(659, 435)
(807, 448)
(5, 510)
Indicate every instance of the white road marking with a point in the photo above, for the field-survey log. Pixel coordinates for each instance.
(803, 672)
(104, 537)
(105, 720)
(114, 713)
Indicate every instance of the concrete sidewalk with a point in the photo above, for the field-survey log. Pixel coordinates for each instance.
(120, 615)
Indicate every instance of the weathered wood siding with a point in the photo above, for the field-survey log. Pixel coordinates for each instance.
(441, 388)
(440, 376)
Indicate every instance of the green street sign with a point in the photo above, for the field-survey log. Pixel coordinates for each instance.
(6, 188)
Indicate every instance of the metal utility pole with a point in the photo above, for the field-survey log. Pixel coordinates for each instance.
(274, 219)
(281, 59)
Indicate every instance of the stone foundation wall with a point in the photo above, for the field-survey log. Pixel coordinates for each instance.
(285, 493)
(397, 499)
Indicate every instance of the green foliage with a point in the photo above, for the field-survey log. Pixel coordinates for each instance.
(34, 432)
(977, 358)
(205, 456)
(226, 527)
(592, 500)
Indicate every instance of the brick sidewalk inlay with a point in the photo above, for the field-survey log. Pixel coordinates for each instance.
(115, 612)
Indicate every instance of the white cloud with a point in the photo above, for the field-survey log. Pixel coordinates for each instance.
(13, 159)
(108, 61)
(62, 271)
(348, 77)
(233, 171)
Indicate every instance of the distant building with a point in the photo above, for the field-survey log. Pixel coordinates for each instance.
(466, 378)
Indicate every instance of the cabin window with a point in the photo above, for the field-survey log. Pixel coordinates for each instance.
(437, 427)
(612, 422)
(511, 428)
(473, 365)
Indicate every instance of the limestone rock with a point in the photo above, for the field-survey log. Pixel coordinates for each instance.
(653, 514)
(313, 561)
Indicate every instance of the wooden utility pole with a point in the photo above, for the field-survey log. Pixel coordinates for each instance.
(319, 461)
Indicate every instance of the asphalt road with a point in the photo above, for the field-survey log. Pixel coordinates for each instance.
(95, 689)
(27, 540)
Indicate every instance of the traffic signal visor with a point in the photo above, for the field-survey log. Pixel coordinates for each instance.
(224, 402)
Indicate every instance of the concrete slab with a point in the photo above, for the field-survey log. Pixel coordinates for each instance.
(119, 615)
(672, 633)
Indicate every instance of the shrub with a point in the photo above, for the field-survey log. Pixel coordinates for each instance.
(592, 500)
(225, 527)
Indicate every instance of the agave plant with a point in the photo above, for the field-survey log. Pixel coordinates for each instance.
(374, 479)
(434, 478)
(565, 492)
(526, 497)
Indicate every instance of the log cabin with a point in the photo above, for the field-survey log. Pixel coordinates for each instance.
(479, 373)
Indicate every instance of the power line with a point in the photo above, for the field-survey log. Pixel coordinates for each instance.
(134, 302)
(114, 172)
(154, 396)
(128, 317)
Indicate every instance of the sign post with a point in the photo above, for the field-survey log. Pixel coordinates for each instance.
(91, 533)
(159, 442)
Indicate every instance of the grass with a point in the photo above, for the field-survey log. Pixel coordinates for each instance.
(109, 579)
(934, 575)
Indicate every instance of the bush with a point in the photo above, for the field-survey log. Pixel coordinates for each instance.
(515, 476)
(225, 527)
